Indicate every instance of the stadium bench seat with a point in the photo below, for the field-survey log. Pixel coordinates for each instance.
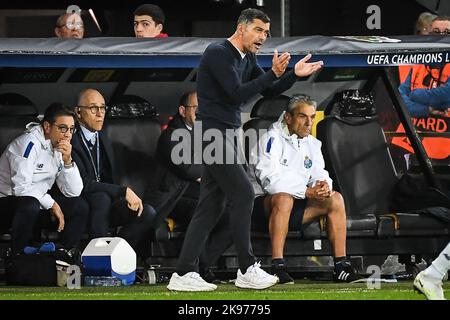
(358, 159)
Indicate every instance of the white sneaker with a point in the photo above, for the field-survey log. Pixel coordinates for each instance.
(430, 287)
(191, 281)
(255, 278)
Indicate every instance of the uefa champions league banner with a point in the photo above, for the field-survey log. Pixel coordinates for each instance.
(372, 60)
(186, 52)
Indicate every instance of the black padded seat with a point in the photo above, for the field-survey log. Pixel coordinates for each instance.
(415, 224)
(11, 127)
(265, 111)
(16, 111)
(17, 105)
(312, 231)
(357, 156)
(134, 142)
(269, 107)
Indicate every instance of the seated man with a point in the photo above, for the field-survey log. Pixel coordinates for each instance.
(175, 189)
(110, 203)
(29, 167)
(69, 25)
(292, 187)
(149, 22)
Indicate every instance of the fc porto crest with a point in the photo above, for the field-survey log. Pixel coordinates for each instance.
(307, 162)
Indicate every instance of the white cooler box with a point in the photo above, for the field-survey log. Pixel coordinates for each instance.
(110, 257)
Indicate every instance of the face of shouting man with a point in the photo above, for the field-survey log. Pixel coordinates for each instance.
(253, 35)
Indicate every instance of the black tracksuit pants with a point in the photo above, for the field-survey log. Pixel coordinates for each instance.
(220, 183)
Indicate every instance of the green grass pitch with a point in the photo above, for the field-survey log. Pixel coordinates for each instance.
(301, 290)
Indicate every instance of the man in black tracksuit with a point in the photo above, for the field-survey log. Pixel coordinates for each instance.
(228, 76)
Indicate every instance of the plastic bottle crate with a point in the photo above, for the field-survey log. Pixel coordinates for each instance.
(102, 281)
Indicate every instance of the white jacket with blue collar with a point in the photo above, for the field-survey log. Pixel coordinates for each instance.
(29, 167)
(282, 162)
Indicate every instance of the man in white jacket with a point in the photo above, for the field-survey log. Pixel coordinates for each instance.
(292, 187)
(29, 167)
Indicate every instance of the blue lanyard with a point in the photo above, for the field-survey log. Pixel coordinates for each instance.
(96, 168)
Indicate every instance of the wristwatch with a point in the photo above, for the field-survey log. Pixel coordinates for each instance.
(68, 166)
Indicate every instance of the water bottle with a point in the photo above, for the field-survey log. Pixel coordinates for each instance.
(102, 281)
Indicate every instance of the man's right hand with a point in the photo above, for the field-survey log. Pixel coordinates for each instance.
(58, 214)
(280, 63)
(134, 202)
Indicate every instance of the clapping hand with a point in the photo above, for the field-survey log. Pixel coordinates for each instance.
(304, 68)
(280, 63)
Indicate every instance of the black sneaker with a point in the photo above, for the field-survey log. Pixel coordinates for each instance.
(210, 277)
(71, 256)
(344, 272)
(280, 270)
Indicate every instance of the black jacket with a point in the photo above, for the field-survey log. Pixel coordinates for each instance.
(80, 154)
(170, 181)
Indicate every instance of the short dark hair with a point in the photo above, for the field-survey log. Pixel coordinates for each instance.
(151, 10)
(248, 15)
(184, 99)
(55, 110)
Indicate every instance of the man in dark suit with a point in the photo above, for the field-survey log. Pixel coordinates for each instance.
(110, 203)
(175, 188)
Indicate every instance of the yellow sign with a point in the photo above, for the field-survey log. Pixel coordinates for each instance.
(98, 75)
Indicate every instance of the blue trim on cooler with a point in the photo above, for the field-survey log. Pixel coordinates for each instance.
(127, 279)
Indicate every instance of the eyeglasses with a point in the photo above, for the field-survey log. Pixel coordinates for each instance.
(73, 26)
(95, 109)
(446, 32)
(191, 107)
(63, 129)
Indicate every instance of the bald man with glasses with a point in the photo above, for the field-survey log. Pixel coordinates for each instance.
(111, 204)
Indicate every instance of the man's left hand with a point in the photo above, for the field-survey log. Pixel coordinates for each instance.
(302, 68)
(324, 189)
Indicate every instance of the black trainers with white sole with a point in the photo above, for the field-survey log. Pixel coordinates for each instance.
(344, 272)
(279, 269)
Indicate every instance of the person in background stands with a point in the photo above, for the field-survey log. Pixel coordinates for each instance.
(149, 22)
(69, 25)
